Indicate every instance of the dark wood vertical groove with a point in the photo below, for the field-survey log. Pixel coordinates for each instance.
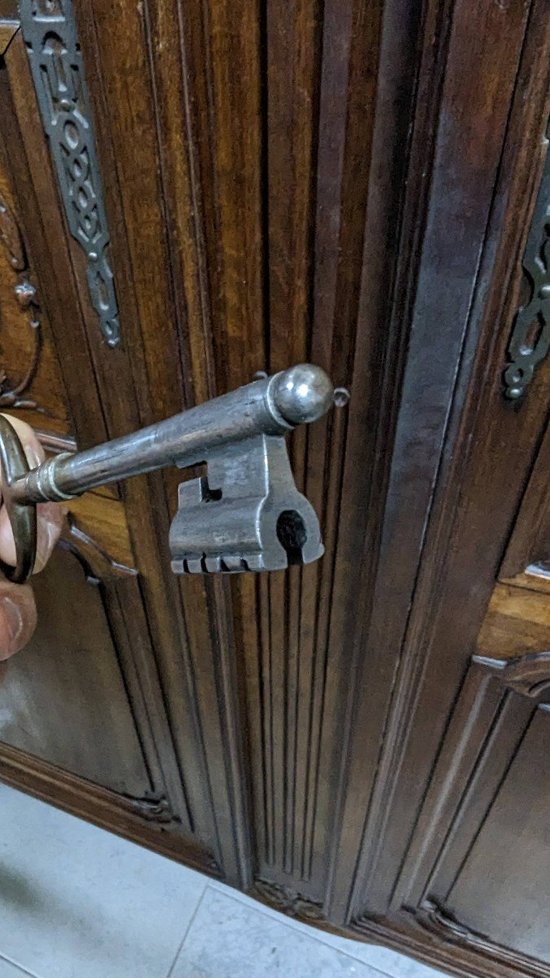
(290, 54)
(322, 654)
(258, 699)
(301, 625)
(194, 292)
(192, 316)
(347, 106)
(482, 703)
(148, 277)
(347, 92)
(270, 723)
(209, 37)
(203, 678)
(180, 302)
(506, 714)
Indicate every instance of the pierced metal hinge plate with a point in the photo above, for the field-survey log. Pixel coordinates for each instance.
(49, 32)
(530, 339)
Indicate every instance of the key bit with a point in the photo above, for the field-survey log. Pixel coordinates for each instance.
(245, 514)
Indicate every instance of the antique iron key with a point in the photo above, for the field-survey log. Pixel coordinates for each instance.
(245, 514)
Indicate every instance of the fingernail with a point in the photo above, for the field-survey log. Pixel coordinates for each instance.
(12, 620)
(46, 539)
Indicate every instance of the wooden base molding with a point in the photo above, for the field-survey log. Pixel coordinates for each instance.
(139, 820)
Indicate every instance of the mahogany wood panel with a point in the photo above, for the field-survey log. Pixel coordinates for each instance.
(142, 820)
(508, 866)
(482, 807)
(90, 732)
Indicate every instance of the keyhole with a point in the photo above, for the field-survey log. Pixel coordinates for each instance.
(292, 535)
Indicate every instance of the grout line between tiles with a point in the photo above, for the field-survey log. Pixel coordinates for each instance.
(298, 926)
(186, 931)
(24, 971)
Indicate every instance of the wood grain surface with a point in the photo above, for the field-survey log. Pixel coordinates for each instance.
(351, 183)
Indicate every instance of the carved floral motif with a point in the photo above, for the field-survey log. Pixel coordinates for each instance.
(287, 900)
(528, 675)
(97, 564)
(12, 393)
(152, 809)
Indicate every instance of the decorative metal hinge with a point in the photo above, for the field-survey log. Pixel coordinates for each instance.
(49, 32)
(530, 340)
(16, 393)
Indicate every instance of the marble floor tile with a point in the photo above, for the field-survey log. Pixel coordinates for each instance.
(9, 970)
(382, 959)
(78, 902)
(229, 939)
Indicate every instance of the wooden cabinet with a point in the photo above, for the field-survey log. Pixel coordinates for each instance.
(363, 742)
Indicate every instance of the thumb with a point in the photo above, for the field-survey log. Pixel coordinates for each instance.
(17, 617)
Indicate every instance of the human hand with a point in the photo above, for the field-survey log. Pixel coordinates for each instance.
(17, 606)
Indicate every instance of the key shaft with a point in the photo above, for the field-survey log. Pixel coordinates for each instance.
(272, 406)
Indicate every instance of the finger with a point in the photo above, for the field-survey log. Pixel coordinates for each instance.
(17, 617)
(50, 522)
(49, 515)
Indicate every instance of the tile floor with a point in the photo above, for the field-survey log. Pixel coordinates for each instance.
(77, 902)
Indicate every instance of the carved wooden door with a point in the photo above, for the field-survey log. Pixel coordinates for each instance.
(84, 714)
(350, 182)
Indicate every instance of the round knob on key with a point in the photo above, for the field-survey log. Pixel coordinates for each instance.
(302, 394)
